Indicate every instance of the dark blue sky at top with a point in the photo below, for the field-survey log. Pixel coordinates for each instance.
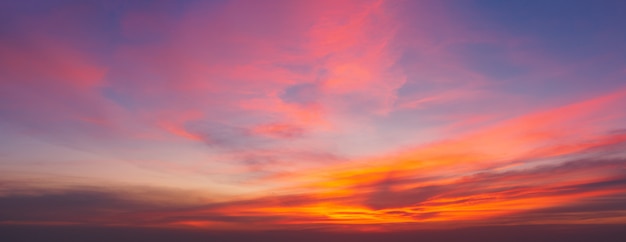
(586, 37)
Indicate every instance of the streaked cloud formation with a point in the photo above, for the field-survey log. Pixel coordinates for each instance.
(333, 115)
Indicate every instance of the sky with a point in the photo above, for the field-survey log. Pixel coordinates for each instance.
(292, 115)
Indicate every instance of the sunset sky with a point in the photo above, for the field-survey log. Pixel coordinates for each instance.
(324, 115)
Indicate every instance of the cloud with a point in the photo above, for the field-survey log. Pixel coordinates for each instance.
(82, 205)
(309, 115)
(557, 193)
